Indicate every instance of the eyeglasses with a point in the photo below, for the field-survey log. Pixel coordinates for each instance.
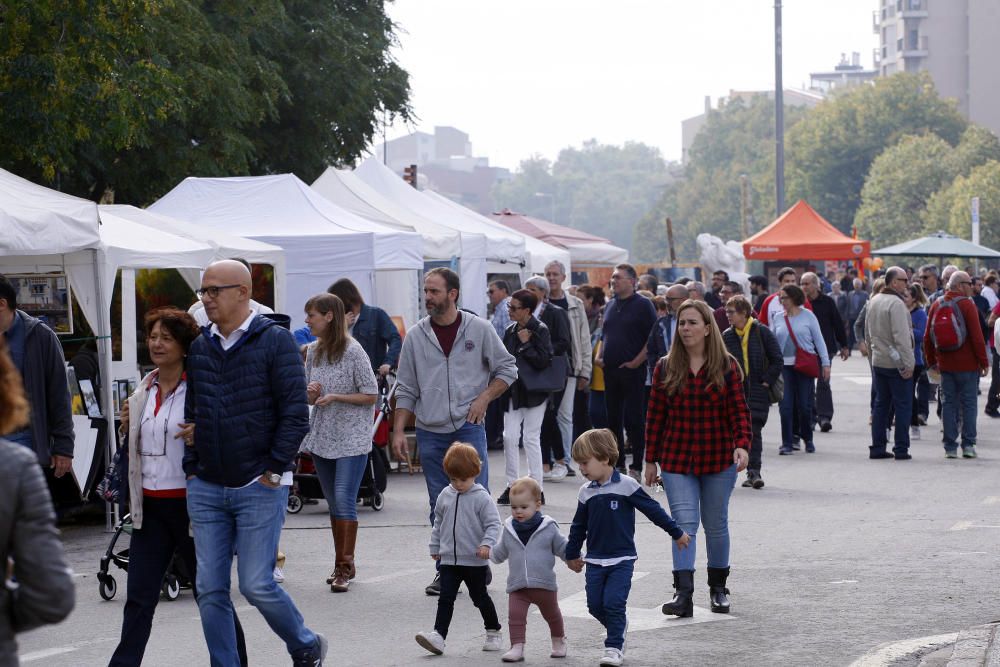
(511, 306)
(213, 291)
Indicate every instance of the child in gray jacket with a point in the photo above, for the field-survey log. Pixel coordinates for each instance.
(466, 528)
(531, 541)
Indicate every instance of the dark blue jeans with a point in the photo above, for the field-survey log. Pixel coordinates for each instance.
(598, 410)
(893, 393)
(958, 395)
(796, 402)
(607, 592)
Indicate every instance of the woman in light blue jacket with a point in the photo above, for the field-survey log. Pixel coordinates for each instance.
(798, 328)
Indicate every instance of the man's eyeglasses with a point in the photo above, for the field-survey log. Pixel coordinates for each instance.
(213, 291)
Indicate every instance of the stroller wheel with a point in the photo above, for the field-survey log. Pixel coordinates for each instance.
(171, 588)
(107, 587)
(294, 503)
(378, 501)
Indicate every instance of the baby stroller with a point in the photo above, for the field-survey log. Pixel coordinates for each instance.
(174, 580)
(306, 488)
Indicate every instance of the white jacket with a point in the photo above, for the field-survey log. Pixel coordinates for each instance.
(580, 330)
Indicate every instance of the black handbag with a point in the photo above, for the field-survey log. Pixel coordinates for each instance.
(549, 379)
(777, 390)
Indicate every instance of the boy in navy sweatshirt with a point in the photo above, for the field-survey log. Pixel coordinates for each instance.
(605, 518)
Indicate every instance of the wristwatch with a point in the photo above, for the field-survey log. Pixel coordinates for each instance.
(272, 477)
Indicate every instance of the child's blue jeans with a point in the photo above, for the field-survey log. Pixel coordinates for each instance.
(607, 592)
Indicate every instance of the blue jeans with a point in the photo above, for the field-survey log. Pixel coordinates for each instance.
(340, 480)
(797, 401)
(432, 447)
(703, 499)
(246, 521)
(607, 592)
(959, 393)
(895, 393)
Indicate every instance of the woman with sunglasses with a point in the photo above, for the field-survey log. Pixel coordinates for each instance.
(157, 487)
(526, 338)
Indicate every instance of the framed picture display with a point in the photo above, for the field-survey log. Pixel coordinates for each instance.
(90, 399)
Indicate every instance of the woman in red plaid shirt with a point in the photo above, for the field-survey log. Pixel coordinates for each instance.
(698, 431)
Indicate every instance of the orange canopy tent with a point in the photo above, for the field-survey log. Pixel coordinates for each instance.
(802, 233)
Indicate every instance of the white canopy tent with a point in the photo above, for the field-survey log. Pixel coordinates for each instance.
(345, 189)
(596, 255)
(498, 254)
(322, 241)
(46, 232)
(539, 253)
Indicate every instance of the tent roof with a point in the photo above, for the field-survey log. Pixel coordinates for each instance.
(586, 250)
(38, 221)
(802, 233)
(499, 246)
(539, 252)
(939, 244)
(284, 211)
(226, 245)
(345, 189)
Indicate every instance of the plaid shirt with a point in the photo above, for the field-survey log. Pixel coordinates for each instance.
(696, 431)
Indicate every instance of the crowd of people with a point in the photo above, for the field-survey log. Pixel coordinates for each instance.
(640, 385)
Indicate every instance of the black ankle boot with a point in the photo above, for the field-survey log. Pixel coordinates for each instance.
(681, 604)
(718, 594)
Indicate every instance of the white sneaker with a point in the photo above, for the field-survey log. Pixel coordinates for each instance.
(559, 472)
(279, 576)
(546, 475)
(432, 641)
(515, 654)
(914, 433)
(612, 658)
(494, 640)
(558, 647)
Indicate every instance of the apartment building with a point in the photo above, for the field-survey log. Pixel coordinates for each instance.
(953, 40)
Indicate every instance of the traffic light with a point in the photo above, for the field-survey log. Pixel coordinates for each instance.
(410, 175)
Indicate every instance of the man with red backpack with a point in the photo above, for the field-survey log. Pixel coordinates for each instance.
(954, 344)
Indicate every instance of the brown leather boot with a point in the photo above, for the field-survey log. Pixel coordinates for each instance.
(338, 548)
(350, 538)
(341, 575)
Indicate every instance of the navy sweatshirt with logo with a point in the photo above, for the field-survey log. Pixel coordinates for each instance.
(605, 517)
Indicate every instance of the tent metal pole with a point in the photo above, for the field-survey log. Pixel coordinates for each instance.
(104, 352)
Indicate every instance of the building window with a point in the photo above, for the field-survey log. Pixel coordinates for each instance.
(913, 40)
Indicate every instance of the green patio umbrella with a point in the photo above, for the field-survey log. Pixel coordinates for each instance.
(939, 244)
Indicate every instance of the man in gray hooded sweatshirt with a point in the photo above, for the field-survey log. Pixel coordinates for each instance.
(451, 366)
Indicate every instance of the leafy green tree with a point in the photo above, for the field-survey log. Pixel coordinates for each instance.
(903, 178)
(950, 209)
(597, 188)
(134, 95)
(831, 151)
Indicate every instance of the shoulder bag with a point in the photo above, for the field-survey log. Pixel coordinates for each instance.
(806, 363)
(549, 379)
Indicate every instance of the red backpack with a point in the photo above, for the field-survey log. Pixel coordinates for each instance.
(948, 330)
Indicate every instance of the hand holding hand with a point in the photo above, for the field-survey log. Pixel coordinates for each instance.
(483, 552)
(576, 564)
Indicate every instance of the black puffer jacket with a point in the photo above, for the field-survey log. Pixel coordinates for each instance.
(45, 590)
(762, 346)
(537, 352)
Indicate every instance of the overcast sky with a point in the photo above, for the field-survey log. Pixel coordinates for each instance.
(534, 76)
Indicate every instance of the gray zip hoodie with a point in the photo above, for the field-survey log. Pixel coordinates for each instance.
(463, 522)
(532, 565)
(440, 389)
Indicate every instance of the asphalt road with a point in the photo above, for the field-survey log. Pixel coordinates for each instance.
(836, 555)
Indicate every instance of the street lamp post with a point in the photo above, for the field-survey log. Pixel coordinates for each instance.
(779, 118)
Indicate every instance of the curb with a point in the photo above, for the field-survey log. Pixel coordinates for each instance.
(885, 655)
(977, 647)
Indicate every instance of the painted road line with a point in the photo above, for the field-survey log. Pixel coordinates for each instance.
(862, 380)
(991, 500)
(966, 525)
(62, 650)
(888, 654)
(845, 581)
(391, 576)
(575, 606)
